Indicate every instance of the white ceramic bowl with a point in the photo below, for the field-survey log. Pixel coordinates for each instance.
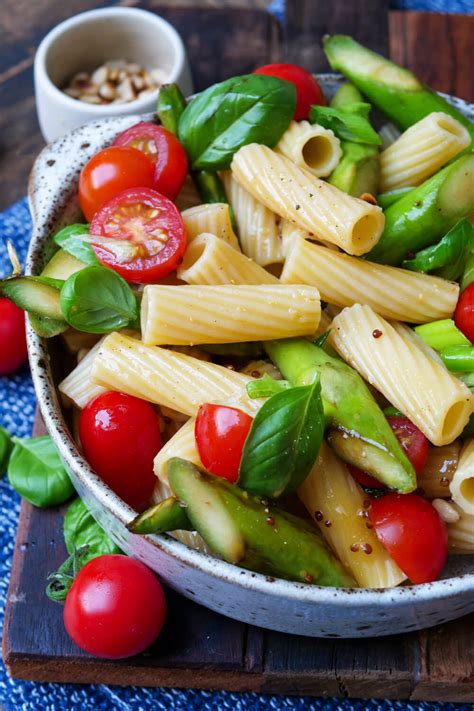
(86, 41)
(275, 604)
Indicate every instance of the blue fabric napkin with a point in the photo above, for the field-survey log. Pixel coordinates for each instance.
(17, 404)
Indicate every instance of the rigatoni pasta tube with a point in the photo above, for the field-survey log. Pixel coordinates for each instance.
(462, 485)
(259, 235)
(79, 387)
(421, 151)
(311, 146)
(312, 204)
(394, 293)
(188, 315)
(438, 403)
(461, 533)
(337, 504)
(436, 476)
(210, 260)
(212, 217)
(161, 376)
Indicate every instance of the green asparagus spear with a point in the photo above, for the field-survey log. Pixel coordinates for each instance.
(427, 212)
(358, 171)
(358, 430)
(393, 89)
(384, 200)
(171, 104)
(168, 515)
(247, 531)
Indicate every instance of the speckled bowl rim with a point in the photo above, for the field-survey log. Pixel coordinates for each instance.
(51, 411)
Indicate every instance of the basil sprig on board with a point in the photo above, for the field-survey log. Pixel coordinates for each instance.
(5, 449)
(253, 108)
(283, 441)
(36, 472)
(448, 258)
(81, 529)
(350, 123)
(76, 241)
(98, 300)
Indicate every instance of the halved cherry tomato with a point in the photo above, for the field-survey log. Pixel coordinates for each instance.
(464, 314)
(308, 91)
(109, 172)
(115, 607)
(413, 442)
(164, 149)
(220, 433)
(411, 530)
(153, 226)
(120, 436)
(12, 337)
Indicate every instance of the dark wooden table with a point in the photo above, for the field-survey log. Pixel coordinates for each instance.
(438, 47)
(198, 647)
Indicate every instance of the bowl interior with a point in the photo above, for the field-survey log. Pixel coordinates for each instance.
(96, 38)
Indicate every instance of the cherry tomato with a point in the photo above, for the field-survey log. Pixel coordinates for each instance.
(413, 442)
(109, 172)
(166, 152)
(464, 314)
(12, 337)
(115, 607)
(220, 433)
(308, 91)
(120, 436)
(152, 224)
(411, 530)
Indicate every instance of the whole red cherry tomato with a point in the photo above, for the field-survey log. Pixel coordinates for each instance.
(411, 530)
(115, 607)
(12, 337)
(464, 314)
(109, 172)
(220, 433)
(120, 436)
(308, 91)
(151, 224)
(164, 149)
(413, 442)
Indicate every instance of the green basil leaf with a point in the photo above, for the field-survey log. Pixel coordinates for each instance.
(98, 300)
(253, 108)
(321, 340)
(75, 240)
(37, 473)
(347, 125)
(392, 412)
(447, 258)
(266, 386)
(468, 273)
(6, 447)
(283, 441)
(81, 529)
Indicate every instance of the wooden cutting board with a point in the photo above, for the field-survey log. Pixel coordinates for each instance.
(200, 648)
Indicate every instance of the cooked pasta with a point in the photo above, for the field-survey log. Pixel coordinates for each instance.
(189, 315)
(421, 151)
(462, 484)
(182, 444)
(392, 292)
(461, 533)
(339, 507)
(312, 204)
(435, 477)
(437, 402)
(214, 218)
(78, 387)
(259, 235)
(162, 376)
(311, 146)
(210, 260)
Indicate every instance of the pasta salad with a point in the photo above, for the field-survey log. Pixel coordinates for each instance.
(271, 308)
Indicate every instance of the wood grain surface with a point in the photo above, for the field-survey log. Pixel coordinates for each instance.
(198, 647)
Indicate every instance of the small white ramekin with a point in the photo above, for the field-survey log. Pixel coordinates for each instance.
(86, 41)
